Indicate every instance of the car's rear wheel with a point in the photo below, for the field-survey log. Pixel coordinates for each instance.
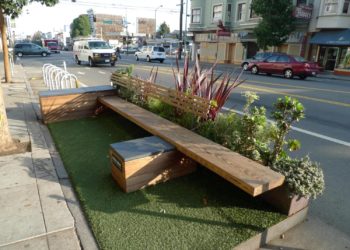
(44, 54)
(137, 58)
(19, 54)
(148, 59)
(77, 60)
(91, 63)
(161, 61)
(255, 70)
(288, 73)
(245, 66)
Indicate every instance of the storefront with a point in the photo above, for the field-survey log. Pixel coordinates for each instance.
(333, 50)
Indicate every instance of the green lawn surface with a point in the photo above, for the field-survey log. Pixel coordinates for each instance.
(198, 211)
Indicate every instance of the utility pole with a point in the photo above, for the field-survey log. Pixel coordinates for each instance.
(180, 36)
(3, 32)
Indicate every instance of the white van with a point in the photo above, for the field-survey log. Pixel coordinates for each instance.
(151, 53)
(94, 52)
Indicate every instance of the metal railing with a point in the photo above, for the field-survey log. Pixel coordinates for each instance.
(58, 78)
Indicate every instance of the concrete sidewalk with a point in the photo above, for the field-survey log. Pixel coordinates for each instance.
(34, 213)
(38, 207)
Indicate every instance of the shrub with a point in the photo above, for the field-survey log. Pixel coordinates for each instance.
(303, 177)
(206, 84)
(286, 111)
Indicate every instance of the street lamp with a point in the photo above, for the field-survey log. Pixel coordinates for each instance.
(155, 19)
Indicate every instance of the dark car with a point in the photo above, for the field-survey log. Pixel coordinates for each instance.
(287, 65)
(258, 57)
(30, 49)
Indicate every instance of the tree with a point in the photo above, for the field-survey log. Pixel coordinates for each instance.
(276, 24)
(80, 26)
(163, 29)
(37, 36)
(10, 8)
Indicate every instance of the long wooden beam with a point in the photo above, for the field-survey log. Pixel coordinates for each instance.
(244, 173)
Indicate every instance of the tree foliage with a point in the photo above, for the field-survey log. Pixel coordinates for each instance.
(80, 26)
(14, 7)
(37, 36)
(276, 24)
(164, 29)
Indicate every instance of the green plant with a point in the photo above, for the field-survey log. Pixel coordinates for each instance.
(303, 177)
(206, 84)
(287, 110)
(221, 130)
(126, 71)
(162, 109)
(252, 139)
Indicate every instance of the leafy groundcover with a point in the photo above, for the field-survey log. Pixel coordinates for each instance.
(198, 211)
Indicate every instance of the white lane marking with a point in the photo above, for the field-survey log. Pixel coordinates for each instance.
(101, 72)
(324, 137)
(81, 73)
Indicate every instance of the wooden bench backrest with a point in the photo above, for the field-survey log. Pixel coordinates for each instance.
(186, 102)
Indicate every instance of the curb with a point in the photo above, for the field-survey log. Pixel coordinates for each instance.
(82, 229)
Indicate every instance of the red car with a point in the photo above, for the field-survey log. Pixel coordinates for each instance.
(287, 65)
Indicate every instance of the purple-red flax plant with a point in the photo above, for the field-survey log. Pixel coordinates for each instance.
(204, 83)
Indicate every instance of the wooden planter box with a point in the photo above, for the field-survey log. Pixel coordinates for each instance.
(280, 198)
(147, 161)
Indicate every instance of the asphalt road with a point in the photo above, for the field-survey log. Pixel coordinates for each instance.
(324, 133)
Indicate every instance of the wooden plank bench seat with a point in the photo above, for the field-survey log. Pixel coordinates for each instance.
(244, 173)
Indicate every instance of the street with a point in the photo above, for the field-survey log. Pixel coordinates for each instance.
(324, 133)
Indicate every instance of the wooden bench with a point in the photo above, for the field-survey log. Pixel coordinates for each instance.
(68, 104)
(244, 173)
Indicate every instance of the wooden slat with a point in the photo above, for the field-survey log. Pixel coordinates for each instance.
(70, 105)
(182, 101)
(244, 173)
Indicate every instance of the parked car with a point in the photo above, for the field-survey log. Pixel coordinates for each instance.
(128, 49)
(258, 57)
(287, 65)
(22, 49)
(151, 53)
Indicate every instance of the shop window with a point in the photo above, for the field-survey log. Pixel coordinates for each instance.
(346, 7)
(344, 59)
(330, 7)
(196, 16)
(217, 13)
(241, 12)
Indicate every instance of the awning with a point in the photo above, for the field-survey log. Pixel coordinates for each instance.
(334, 37)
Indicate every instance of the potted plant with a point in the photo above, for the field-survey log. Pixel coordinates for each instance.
(303, 178)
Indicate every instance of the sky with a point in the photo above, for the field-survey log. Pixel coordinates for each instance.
(36, 17)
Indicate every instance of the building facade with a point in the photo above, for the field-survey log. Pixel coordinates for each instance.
(330, 41)
(108, 27)
(239, 19)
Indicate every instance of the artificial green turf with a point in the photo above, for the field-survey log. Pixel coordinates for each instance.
(198, 211)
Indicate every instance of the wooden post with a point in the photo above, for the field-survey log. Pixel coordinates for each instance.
(5, 48)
